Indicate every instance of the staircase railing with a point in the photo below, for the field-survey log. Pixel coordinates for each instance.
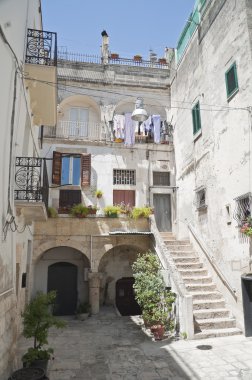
(184, 299)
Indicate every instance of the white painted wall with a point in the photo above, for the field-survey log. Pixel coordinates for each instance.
(220, 159)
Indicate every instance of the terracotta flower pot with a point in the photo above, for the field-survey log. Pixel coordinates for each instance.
(158, 331)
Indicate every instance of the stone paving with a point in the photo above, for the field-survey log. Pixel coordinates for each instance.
(109, 347)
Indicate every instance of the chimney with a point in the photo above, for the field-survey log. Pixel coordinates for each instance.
(105, 47)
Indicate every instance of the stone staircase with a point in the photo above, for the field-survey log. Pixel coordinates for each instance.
(211, 318)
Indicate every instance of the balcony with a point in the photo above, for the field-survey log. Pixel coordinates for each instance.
(31, 188)
(41, 75)
(92, 131)
(79, 130)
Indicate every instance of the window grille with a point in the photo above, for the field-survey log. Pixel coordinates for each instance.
(124, 177)
(243, 208)
(200, 201)
(196, 118)
(161, 179)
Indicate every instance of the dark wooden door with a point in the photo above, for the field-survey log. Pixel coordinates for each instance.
(124, 196)
(125, 297)
(68, 198)
(162, 211)
(62, 277)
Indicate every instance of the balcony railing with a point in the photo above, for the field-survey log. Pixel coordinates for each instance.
(31, 180)
(86, 58)
(41, 48)
(91, 131)
(79, 130)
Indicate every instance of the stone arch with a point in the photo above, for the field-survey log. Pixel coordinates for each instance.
(114, 265)
(151, 105)
(79, 99)
(41, 249)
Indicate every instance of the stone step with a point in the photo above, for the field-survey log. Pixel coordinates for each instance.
(189, 266)
(210, 313)
(184, 248)
(217, 333)
(184, 260)
(197, 280)
(216, 323)
(200, 287)
(193, 272)
(177, 242)
(206, 295)
(166, 234)
(208, 304)
(182, 254)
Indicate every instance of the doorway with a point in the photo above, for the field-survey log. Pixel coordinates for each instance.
(62, 277)
(162, 210)
(125, 297)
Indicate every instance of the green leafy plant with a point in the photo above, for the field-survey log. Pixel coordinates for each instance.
(112, 211)
(246, 228)
(37, 320)
(52, 212)
(98, 193)
(79, 210)
(141, 212)
(150, 291)
(92, 209)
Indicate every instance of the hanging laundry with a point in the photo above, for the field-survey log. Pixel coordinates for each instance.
(156, 125)
(129, 131)
(119, 125)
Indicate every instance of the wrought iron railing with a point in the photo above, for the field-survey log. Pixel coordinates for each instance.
(31, 180)
(85, 58)
(41, 48)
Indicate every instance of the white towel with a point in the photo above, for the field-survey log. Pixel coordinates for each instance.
(156, 123)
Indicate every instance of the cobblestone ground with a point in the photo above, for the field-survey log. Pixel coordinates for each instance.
(108, 347)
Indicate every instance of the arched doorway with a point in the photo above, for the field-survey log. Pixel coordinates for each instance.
(62, 277)
(125, 297)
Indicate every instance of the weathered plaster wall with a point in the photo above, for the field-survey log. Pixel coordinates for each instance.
(220, 159)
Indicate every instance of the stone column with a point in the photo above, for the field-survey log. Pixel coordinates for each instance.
(94, 291)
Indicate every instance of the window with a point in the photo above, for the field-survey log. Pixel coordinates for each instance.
(72, 169)
(231, 81)
(196, 118)
(161, 179)
(67, 199)
(201, 199)
(124, 177)
(243, 208)
(126, 197)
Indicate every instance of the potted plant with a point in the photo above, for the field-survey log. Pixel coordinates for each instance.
(98, 193)
(112, 211)
(114, 56)
(52, 212)
(246, 227)
(92, 210)
(137, 57)
(141, 212)
(83, 310)
(162, 61)
(37, 320)
(79, 210)
(152, 296)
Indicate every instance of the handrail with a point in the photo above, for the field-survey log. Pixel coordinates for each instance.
(167, 259)
(206, 250)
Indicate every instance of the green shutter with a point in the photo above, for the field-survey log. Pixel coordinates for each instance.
(231, 81)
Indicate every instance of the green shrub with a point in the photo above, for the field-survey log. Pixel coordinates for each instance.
(52, 212)
(112, 211)
(80, 211)
(141, 212)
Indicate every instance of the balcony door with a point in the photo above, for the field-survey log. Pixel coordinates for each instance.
(78, 122)
(124, 196)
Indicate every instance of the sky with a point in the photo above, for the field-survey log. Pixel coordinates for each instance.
(134, 26)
